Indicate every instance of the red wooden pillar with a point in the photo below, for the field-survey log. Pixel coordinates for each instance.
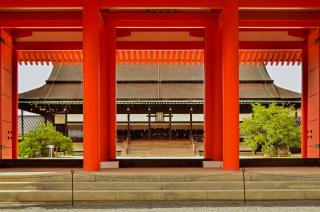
(208, 95)
(103, 122)
(213, 94)
(313, 124)
(7, 141)
(230, 66)
(92, 24)
(304, 105)
(15, 133)
(111, 87)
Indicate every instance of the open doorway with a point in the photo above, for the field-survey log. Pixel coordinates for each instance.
(160, 103)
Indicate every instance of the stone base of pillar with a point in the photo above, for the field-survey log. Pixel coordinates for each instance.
(212, 164)
(109, 164)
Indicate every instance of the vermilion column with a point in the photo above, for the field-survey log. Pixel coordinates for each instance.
(218, 109)
(304, 105)
(103, 98)
(313, 91)
(7, 140)
(230, 66)
(111, 88)
(91, 53)
(14, 104)
(208, 93)
(213, 94)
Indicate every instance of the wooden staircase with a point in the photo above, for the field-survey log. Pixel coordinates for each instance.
(160, 148)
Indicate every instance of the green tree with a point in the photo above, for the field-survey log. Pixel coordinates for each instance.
(44, 134)
(270, 127)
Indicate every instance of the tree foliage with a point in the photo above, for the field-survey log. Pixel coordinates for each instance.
(270, 127)
(42, 136)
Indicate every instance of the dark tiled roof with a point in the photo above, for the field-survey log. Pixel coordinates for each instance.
(155, 71)
(59, 91)
(66, 72)
(158, 81)
(30, 123)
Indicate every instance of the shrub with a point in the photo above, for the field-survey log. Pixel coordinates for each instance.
(270, 127)
(38, 139)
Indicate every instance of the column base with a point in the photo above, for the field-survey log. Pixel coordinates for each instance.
(212, 164)
(109, 164)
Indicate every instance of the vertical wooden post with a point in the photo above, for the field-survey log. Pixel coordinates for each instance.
(22, 124)
(15, 133)
(313, 91)
(213, 93)
(128, 126)
(230, 66)
(209, 135)
(91, 68)
(218, 96)
(8, 99)
(149, 123)
(110, 37)
(191, 128)
(170, 123)
(103, 97)
(304, 101)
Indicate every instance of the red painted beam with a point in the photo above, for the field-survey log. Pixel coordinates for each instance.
(40, 19)
(123, 32)
(160, 45)
(248, 19)
(43, 4)
(274, 19)
(161, 4)
(49, 45)
(271, 45)
(279, 4)
(186, 4)
(167, 20)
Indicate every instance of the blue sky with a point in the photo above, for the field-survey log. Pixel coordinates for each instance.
(34, 76)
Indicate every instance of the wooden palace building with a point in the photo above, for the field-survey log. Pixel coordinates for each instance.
(159, 100)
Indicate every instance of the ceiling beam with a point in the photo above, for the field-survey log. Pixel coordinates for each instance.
(158, 45)
(40, 4)
(40, 20)
(46, 45)
(160, 4)
(280, 19)
(279, 4)
(166, 20)
(256, 45)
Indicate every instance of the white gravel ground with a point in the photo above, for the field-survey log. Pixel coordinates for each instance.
(288, 206)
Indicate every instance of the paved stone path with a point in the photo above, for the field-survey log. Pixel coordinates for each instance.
(288, 206)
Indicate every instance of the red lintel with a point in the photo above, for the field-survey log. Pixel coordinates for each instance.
(169, 4)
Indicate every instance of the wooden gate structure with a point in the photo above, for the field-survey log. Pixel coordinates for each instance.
(228, 32)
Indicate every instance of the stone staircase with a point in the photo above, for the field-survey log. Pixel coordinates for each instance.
(160, 148)
(221, 186)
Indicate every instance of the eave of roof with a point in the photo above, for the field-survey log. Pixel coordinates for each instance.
(171, 102)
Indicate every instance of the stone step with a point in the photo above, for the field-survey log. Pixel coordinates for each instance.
(160, 152)
(155, 195)
(154, 177)
(250, 185)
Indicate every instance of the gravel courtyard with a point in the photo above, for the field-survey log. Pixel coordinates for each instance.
(288, 206)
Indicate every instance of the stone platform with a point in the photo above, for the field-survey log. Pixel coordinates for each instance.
(159, 184)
